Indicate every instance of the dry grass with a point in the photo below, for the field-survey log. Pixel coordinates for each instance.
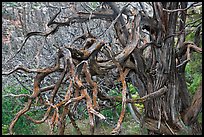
(129, 127)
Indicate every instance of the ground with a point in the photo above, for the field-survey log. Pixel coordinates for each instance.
(129, 127)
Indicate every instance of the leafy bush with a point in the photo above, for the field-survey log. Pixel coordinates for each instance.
(193, 78)
(10, 106)
(135, 95)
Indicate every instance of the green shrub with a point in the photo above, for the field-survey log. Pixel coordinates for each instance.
(193, 78)
(10, 106)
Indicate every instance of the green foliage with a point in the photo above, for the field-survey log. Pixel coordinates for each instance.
(10, 106)
(193, 69)
(190, 36)
(132, 89)
(113, 92)
(193, 73)
(195, 83)
(5, 129)
(135, 95)
(108, 113)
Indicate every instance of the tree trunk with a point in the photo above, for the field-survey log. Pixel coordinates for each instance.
(150, 52)
(163, 114)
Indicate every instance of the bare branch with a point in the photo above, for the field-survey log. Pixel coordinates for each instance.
(176, 10)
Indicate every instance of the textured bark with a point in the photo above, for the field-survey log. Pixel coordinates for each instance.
(195, 107)
(140, 49)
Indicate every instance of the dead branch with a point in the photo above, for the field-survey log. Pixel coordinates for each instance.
(85, 73)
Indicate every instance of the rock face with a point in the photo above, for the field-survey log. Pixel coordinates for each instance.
(20, 18)
(68, 53)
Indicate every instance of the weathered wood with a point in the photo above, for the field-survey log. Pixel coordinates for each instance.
(195, 107)
(142, 51)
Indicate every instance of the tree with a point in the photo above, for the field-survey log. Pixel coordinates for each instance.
(145, 48)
